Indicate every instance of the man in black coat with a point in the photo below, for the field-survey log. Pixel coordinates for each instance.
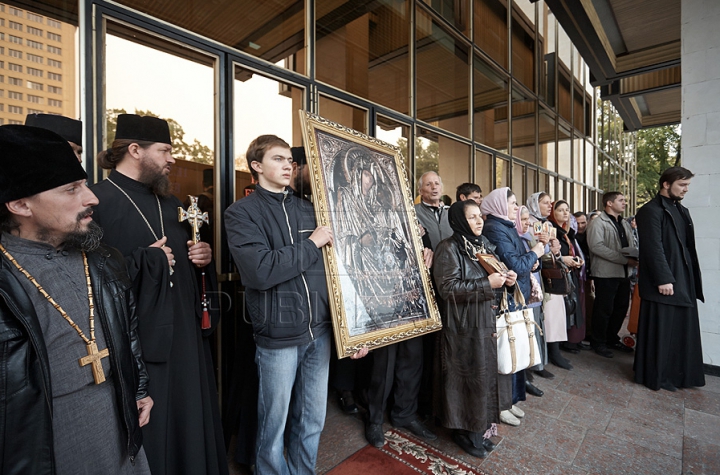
(669, 351)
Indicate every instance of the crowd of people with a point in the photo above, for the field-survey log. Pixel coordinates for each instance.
(135, 393)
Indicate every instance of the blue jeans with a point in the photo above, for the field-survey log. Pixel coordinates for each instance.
(300, 373)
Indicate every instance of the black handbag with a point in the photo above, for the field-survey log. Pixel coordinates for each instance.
(556, 279)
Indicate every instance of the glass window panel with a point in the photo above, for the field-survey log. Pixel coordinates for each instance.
(577, 65)
(272, 30)
(564, 95)
(483, 171)
(578, 198)
(590, 168)
(518, 182)
(442, 76)
(395, 133)
(523, 48)
(543, 182)
(564, 146)
(564, 48)
(527, 8)
(551, 187)
(274, 107)
(546, 138)
(523, 126)
(366, 53)
(490, 105)
(547, 33)
(448, 157)
(578, 149)
(502, 172)
(531, 182)
(456, 12)
(154, 92)
(491, 29)
(578, 107)
(343, 113)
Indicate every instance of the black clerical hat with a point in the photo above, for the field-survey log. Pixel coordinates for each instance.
(298, 154)
(142, 127)
(33, 160)
(65, 127)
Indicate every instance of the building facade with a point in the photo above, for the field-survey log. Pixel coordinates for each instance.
(485, 91)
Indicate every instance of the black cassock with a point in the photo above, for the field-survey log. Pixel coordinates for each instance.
(669, 347)
(184, 435)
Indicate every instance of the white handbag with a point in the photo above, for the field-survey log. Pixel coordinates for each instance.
(517, 346)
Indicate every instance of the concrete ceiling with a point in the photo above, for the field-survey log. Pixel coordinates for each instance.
(633, 50)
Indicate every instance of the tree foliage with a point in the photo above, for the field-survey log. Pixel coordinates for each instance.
(426, 158)
(658, 148)
(195, 152)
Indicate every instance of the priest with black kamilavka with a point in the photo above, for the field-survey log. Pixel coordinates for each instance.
(65, 127)
(73, 384)
(669, 350)
(140, 218)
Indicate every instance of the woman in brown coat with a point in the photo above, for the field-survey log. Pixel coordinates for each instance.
(470, 393)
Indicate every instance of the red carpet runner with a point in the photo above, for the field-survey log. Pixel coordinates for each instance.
(402, 455)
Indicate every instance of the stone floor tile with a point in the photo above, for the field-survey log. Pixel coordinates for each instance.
(700, 457)
(549, 436)
(649, 429)
(342, 436)
(511, 458)
(700, 425)
(600, 389)
(587, 413)
(712, 383)
(551, 403)
(603, 455)
(702, 401)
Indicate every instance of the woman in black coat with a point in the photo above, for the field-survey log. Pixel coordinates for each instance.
(470, 392)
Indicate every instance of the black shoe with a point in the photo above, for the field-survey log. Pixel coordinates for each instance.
(603, 351)
(533, 390)
(561, 362)
(545, 374)
(570, 348)
(464, 442)
(584, 346)
(419, 429)
(347, 402)
(668, 386)
(488, 444)
(374, 434)
(620, 347)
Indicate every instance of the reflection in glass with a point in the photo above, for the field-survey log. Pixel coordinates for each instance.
(502, 172)
(395, 133)
(523, 126)
(546, 45)
(448, 157)
(271, 30)
(365, 52)
(546, 138)
(564, 150)
(531, 182)
(40, 67)
(490, 105)
(261, 106)
(491, 29)
(343, 113)
(456, 12)
(578, 159)
(523, 48)
(518, 182)
(442, 76)
(156, 93)
(483, 171)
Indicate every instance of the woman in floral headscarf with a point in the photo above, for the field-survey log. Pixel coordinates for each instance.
(540, 206)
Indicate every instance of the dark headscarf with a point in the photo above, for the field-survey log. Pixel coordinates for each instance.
(462, 232)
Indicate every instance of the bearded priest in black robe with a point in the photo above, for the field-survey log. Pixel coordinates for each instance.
(669, 350)
(140, 218)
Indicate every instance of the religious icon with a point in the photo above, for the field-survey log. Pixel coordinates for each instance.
(491, 264)
(379, 287)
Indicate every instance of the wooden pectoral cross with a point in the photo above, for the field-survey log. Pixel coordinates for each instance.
(94, 358)
(194, 217)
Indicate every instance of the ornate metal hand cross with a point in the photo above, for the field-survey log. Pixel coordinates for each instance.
(194, 217)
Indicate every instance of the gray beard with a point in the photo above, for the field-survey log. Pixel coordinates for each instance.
(86, 241)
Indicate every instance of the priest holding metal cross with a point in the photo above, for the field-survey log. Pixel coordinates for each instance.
(140, 218)
(73, 383)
